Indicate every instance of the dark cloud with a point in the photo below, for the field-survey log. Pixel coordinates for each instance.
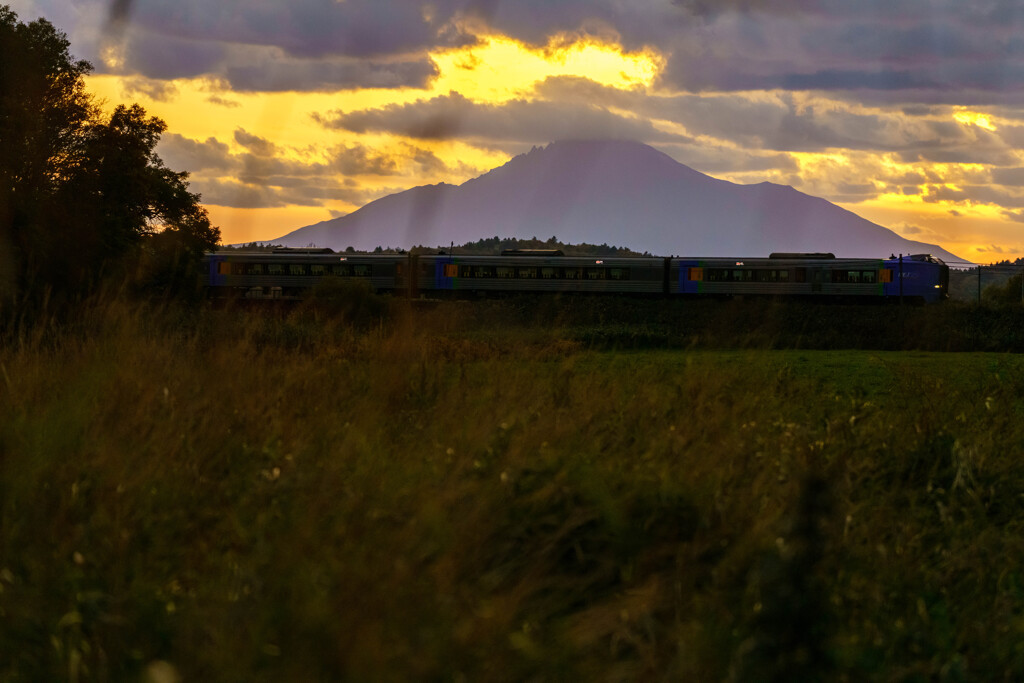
(185, 154)
(261, 147)
(223, 102)
(908, 229)
(784, 122)
(1011, 177)
(239, 195)
(280, 74)
(976, 194)
(159, 56)
(359, 160)
(456, 117)
(161, 91)
(897, 51)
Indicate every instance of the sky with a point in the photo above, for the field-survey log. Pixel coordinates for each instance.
(909, 113)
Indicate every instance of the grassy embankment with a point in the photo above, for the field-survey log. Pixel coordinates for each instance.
(488, 492)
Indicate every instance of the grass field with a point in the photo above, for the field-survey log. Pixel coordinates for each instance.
(462, 494)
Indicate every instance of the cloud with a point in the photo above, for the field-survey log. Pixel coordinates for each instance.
(223, 102)
(307, 28)
(259, 146)
(181, 153)
(895, 51)
(158, 90)
(269, 73)
(159, 56)
(908, 229)
(1012, 177)
(266, 175)
(229, 192)
(975, 194)
(456, 117)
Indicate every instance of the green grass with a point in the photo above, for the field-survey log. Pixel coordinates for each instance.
(460, 493)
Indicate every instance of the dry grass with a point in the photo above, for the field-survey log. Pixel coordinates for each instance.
(287, 495)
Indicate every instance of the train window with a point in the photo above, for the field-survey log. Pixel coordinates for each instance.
(573, 273)
(361, 271)
(318, 270)
(275, 269)
(596, 273)
(223, 268)
(504, 272)
(867, 276)
(801, 275)
(254, 269)
(483, 271)
(296, 269)
(343, 271)
(451, 270)
(618, 273)
(528, 273)
(549, 273)
(695, 274)
(885, 275)
(739, 276)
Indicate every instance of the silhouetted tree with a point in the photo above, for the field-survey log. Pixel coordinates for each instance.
(44, 113)
(83, 197)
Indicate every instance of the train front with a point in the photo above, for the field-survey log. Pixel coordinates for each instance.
(918, 277)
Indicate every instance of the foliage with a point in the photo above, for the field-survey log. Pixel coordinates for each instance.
(82, 198)
(249, 494)
(495, 245)
(1010, 292)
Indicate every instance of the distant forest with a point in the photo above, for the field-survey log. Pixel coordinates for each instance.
(483, 247)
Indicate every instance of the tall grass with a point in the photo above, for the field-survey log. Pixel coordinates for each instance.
(457, 493)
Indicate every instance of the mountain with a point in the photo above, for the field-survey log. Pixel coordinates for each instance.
(611, 192)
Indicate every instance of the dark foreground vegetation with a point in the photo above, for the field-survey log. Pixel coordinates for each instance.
(360, 489)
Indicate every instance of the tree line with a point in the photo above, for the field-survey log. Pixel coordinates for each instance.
(84, 198)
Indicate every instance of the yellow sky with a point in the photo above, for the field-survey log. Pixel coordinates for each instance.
(497, 70)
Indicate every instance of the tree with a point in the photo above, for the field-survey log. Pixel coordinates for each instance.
(1009, 292)
(44, 111)
(82, 198)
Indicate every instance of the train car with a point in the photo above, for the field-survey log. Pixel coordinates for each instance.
(287, 273)
(919, 277)
(541, 272)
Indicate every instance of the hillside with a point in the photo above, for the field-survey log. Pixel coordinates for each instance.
(619, 193)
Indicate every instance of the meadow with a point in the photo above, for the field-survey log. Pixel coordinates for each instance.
(514, 490)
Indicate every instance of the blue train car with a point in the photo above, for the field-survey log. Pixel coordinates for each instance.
(920, 277)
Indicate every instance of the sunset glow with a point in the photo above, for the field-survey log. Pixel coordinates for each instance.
(288, 116)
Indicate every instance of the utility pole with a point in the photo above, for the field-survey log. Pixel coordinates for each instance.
(901, 279)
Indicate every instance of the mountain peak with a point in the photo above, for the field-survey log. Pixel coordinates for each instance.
(616, 192)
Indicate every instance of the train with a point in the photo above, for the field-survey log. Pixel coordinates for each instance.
(289, 273)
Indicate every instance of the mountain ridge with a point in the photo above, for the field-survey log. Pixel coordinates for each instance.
(615, 192)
